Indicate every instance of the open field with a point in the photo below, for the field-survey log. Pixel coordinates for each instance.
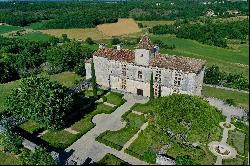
(122, 27)
(150, 24)
(36, 36)
(76, 33)
(241, 99)
(228, 60)
(8, 28)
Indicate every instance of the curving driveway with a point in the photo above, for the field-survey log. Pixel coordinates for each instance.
(86, 150)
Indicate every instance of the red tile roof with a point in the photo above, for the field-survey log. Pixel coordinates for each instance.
(118, 55)
(185, 64)
(145, 43)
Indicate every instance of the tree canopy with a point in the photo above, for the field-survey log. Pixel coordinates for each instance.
(41, 100)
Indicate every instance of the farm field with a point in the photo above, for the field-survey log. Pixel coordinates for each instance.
(122, 27)
(8, 28)
(36, 36)
(150, 24)
(229, 60)
(76, 33)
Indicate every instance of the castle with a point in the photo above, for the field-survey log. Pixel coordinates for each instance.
(130, 71)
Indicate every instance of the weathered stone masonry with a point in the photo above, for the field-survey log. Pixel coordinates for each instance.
(130, 71)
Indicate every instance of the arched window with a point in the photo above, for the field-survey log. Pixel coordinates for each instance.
(140, 74)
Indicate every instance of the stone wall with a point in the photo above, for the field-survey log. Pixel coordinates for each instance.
(142, 57)
(109, 74)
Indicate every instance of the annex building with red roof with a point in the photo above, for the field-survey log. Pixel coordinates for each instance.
(130, 70)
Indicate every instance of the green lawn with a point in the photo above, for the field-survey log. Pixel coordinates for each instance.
(115, 98)
(9, 159)
(236, 161)
(67, 78)
(36, 36)
(60, 139)
(117, 139)
(85, 124)
(241, 99)
(89, 92)
(237, 139)
(8, 28)
(110, 159)
(31, 126)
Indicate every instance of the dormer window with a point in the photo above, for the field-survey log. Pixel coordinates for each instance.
(139, 74)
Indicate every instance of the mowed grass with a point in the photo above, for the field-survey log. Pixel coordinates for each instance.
(77, 33)
(115, 98)
(31, 126)
(8, 28)
(237, 140)
(236, 161)
(241, 99)
(9, 159)
(60, 139)
(110, 159)
(122, 27)
(228, 60)
(36, 36)
(117, 139)
(67, 78)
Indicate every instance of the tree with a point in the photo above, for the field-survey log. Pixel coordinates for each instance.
(39, 157)
(151, 87)
(65, 38)
(89, 41)
(80, 68)
(184, 160)
(11, 141)
(41, 100)
(93, 79)
(115, 41)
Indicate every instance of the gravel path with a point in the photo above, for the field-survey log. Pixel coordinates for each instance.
(86, 150)
(227, 110)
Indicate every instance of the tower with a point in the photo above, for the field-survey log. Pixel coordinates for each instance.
(144, 51)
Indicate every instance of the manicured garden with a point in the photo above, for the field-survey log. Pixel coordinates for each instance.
(117, 139)
(239, 139)
(31, 126)
(177, 123)
(110, 159)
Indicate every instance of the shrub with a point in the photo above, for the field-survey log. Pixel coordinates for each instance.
(184, 160)
(140, 25)
(104, 98)
(89, 41)
(230, 101)
(115, 41)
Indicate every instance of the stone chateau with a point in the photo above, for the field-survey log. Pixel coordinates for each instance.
(130, 70)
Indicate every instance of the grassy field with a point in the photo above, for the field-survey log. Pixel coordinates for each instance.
(227, 59)
(77, 33)
(241, 99)
(110, 159)
(8, 28)
(150, 24)
(122, 27)
(66, 78)
(36, 36)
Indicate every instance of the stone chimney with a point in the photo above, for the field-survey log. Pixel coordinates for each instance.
(102, 45)
(119, 46)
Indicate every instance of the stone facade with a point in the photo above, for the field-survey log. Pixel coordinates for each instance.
(130, 71)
